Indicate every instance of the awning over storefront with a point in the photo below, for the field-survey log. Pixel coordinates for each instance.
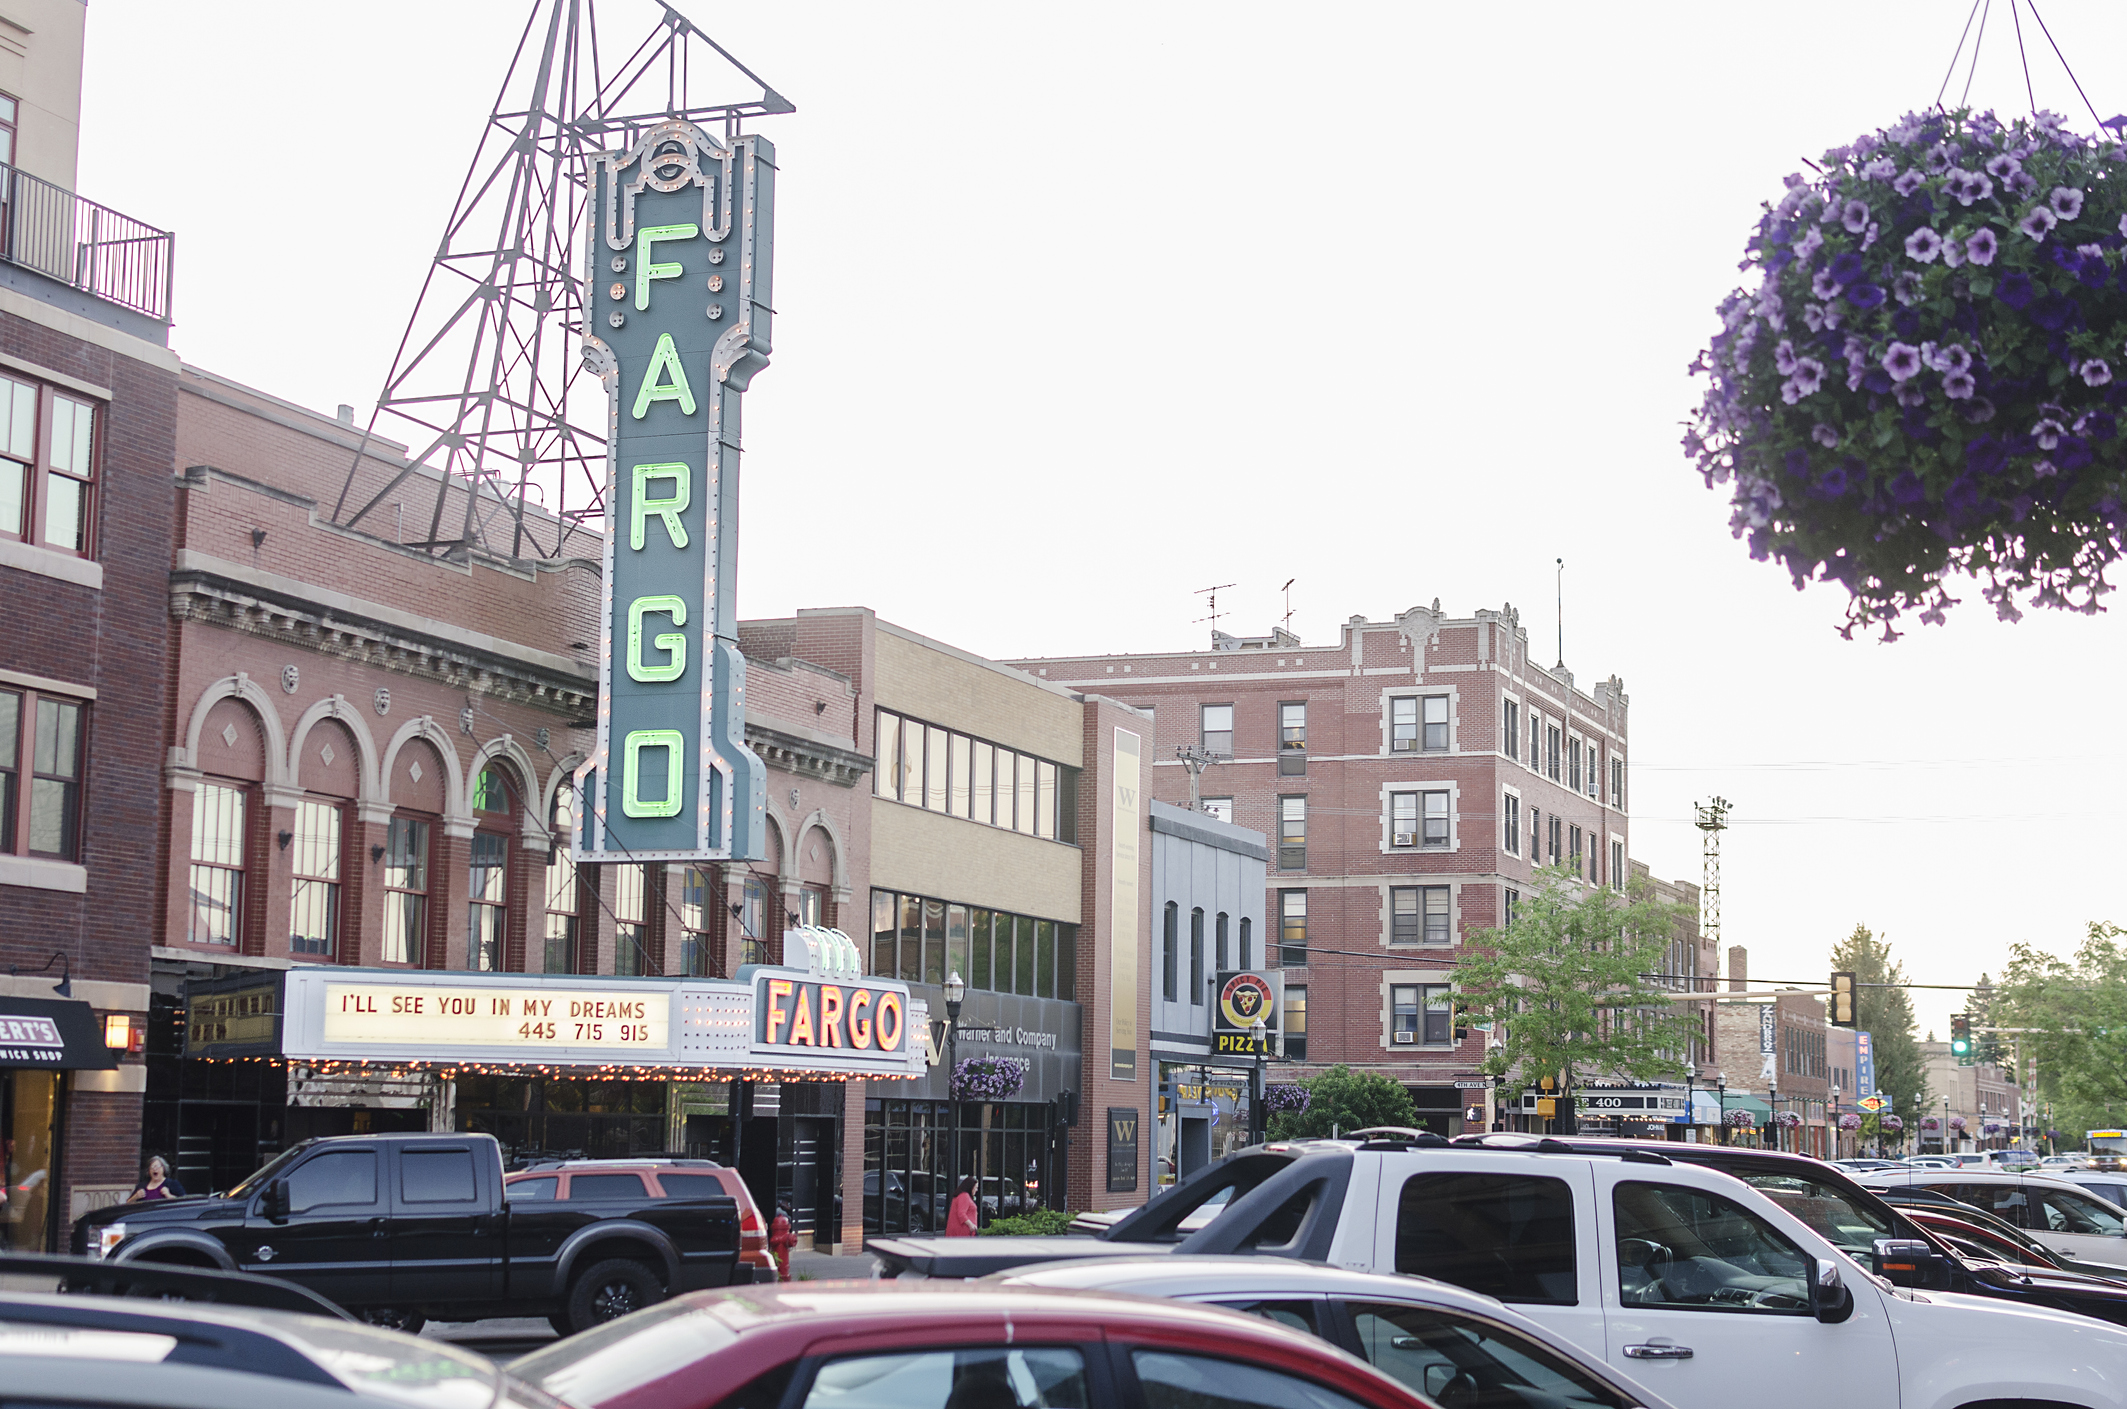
(1737, 1101)
(51, 1034)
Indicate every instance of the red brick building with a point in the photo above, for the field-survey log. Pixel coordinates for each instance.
(1410, 776)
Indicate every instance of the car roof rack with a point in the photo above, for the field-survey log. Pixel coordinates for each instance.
(91, 1277)
(1394, 1137)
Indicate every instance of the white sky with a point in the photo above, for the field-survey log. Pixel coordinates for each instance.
(1081, 308)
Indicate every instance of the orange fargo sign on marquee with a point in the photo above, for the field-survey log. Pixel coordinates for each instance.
(793, 1011)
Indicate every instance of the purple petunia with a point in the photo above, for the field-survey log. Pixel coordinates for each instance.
(1865, 296)
(2003, 167)
(2048, 433)
(2014, 290)
(2095, 372)
(1902, 361)
(1980, 411)
(1909, 182)
(1811, 241)
(2037, 221)
(2067, 202)
(1809, 374)
(1981, 245)
(1848, 268)
(1879, 169)
(1783, 357)
(1906, 288)
(1854, 215)
(1825, 436)
(1824, 286)
(1985, 455)
(1958, 386)
(1951, 358)
(1924, 245)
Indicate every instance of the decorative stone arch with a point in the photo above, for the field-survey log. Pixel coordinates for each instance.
(562, 772)
(819, 819)
(369, 775)
(239, 686)
(455, 804)
(532, 827)
(786, 878)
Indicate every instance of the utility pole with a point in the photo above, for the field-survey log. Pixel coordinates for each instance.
(1196, 761)
(1711, 818)
(1561, 613)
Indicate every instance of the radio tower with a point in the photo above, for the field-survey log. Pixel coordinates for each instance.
(1712, 819)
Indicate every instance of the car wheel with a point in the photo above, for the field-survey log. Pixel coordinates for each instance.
(394, 1318)
(609, 1290)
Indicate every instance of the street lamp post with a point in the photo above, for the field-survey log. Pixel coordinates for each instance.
(955, 991)
(1691, 1076)
(1946, 1125)
(1772, 1102)
(1720, 1085)
(1831, 1120)
(1258, 1122)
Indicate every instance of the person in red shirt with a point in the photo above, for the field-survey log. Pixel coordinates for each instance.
(780, 1241)
(960, 1217)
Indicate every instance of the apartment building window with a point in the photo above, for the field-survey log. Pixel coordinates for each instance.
(1617, 781)
(1557, 833)
(1217, 807)
(1510, 730)
(1170, 952)
(46, 482)
(942, 770)
(7, 130)
(1292, 833)
(562, 896)
(812, 906)
(40, 813)
(1403, 819)
(1403, 724)
(753, 924)
(1418, 915)
(314, 907)
(1294, 1017)
(1292, 739)
(1510, 904)
(1435, 820)
(1595, 772)
(1196, 958)
(405, 892)
(1617, 864)
(1248, 943)
(1536, 836)
(1551, 740)
(1222, 955)
(1215, 732)
(1573, 848)
(1292, 928)
(218, 814)
(695, 891)
(631, 954)
(1573, 764)
(1436, 723)
(1421, 1014)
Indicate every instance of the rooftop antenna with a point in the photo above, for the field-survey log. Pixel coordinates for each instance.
(1286, 620)
(1213, 594)
(1561, 613)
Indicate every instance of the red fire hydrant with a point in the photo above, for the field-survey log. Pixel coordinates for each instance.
(780, 1241)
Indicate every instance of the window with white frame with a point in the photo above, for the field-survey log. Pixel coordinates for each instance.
(314, 904)
(1419, 915)
(1595, 772)
(1573, 763)
(1216, 733)
(1403, 724)
(1510, 823)
(1536, 754)
(1617, 864)
(1434, 806)
(1292, 725)
(1403, 819)
(1292, 929)
(1617, 781)
(1551, 751)
(1436, 723)
(1510, 729)
(217, 878)
(1292, 833)
(1421, 1014)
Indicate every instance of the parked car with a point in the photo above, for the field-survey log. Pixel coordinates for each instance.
(2109, 1185)
(629, 1180)
(1858, 1165)
(1930, 1162)
(2061, 1215)
(401, 1228)
(1686, 1276)
(1446, 1343)
(120, 1352)
(2055, 1162)
(949, 1345)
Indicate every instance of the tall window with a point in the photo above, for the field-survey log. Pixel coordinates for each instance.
(1617, 781)
(563, 898)
(1418, 915)
(1557, 833)
(1536, 757)
(1295, 1022)
(7, 130)
(1617, 865)
(937, 766)
(46, 733)
(1595, 771)
(1573, 848)
(694, 902)
(45, 482)
(941, 770)
(982, 780)
(1510, 819)
(1292, 927)
(1510, 904)
(1435, 819)
(1292, 726)
(1247, 955)
(314, 908)
(753, 918)
(1403, 725)
(1403, 819)
(1551, 741)
(485, 897)
(1510, 729)
(217, 864)
(1292, 833)
(1196, 958)
(631, 955)
(1216, 731)
(1573, 764)
(1436, 723)
(406, 892)
(1421, 1014)
(1170, 951)
(1222, 952)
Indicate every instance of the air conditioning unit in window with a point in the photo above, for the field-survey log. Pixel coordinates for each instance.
(1405, 838)
(1406, 1037)
(1403, 745)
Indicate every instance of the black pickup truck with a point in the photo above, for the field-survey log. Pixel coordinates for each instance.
(402, 1228)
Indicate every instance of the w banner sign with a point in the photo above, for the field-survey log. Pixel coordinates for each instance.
(676, 300)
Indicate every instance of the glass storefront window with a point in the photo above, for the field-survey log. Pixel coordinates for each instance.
(28, 1104)
(1005, 1144)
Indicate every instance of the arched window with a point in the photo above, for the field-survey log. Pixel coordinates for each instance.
(487, 890)
(1248, 946)
(1170, 953)
(563, 898)
(1196, 957)
(1223, 953)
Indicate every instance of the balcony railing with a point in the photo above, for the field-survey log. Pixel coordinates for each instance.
(89, 246)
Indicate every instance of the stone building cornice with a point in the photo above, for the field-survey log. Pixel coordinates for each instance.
(810, 757)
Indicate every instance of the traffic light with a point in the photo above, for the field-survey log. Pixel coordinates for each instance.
(1961, 1038)
(1841, 1007)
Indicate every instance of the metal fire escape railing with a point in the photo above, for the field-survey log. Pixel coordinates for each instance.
(91, 247)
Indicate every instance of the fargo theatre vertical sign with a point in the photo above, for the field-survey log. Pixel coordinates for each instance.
(677, 260)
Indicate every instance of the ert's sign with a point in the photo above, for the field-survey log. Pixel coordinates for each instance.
(676, 306)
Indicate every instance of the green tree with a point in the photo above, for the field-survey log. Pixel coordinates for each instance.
(2079, 1009)
(1567, 983)
(1886, 1014)
(1341, 1099)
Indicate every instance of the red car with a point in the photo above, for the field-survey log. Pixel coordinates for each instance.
(593, 1179)
(950, 1345)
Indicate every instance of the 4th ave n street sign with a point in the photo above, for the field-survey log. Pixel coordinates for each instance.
(676, 261)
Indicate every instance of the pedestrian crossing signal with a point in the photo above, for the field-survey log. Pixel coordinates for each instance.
(1841, 1005)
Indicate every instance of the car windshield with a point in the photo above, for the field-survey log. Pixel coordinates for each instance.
(1847, 1223)
(265, 1172)
(607, 1361)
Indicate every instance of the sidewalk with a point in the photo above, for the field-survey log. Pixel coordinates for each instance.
(809, 1266)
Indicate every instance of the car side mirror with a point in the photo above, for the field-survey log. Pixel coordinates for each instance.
(1829, 1299)
(274, 1202)
(1909, 1262)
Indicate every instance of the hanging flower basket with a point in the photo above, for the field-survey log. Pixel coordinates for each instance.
(1892, 1123)
(1286, 1096)
(1926, 375)
(1787, 1120)
(1850, 1121)
(1928, 1122)
(1992, 1127)
(988, 1078)
(1957, 1122)
(1742, 1118)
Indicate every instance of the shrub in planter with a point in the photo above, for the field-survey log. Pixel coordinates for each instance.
(1036, 1223)
(1927, 375)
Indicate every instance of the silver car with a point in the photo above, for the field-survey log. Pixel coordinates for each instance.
(1450, 1345)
